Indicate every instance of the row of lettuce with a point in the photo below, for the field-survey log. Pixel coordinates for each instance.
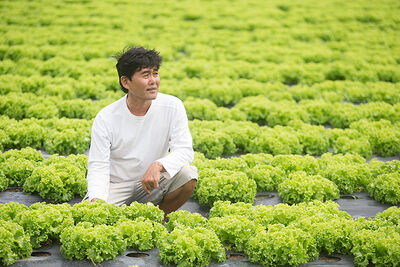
(225, 92)
(269, 235)
(292, 43)
(296, 178)
(289, 73)
(56, 136)
(258, 109)
(222, 92)
(307, 32)
(264, 111)
(56, 179)
(217, 138)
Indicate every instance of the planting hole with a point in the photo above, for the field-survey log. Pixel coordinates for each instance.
(40, 254)
(330, 259)
(349, 197)
(137, 255)
(264, 196)
(234, 256)
(14, 189)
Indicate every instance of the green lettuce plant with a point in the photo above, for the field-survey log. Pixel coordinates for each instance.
(142, 233)
(191, 247)
(225, 185)
(300, 187)
(97, 243)
(276, 246)
(14, 243)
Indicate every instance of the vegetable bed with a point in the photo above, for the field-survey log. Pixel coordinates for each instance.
(294, 110)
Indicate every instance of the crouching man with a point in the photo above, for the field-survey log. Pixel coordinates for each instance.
(141, 146)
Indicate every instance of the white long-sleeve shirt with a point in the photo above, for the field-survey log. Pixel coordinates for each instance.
(124, 145)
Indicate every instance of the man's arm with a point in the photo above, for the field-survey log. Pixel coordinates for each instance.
(180, 144)
(98, 176)
(152, 176)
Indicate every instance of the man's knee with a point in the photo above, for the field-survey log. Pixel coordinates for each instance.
(190, 186)
(189, 172)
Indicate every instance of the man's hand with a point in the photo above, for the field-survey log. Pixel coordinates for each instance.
(152, 176)
(93, 200)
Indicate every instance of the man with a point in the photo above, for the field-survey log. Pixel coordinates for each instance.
(131, 138)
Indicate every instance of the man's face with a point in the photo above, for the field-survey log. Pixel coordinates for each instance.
(144, 84)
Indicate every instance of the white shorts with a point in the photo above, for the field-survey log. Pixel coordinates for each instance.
(128, 192)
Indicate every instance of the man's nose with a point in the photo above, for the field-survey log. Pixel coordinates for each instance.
(152, 79)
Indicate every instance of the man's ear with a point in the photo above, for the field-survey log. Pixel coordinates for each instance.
(124, 81)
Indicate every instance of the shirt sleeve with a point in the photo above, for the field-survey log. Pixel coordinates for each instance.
(98, 176)
(180, 144)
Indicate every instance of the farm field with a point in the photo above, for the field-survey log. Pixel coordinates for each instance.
(294, 110)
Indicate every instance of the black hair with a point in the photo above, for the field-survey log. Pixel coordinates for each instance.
(133, 59)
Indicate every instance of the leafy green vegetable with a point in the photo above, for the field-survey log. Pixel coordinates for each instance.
(10, 210)
(266, 177)
(212, 144)
(44, 110)
(314, 139)
(380, 247)
(241, 132)
(348, 172)
(202, 109)
(146, 210)
(233, 164)
(44, 222)
(191, 247)
(224, 208)
(278, 214)
(379, 167)
(342, 115)
(4, 140)
(59, 179)
(385, 188)
(97, 213)
(277, 140)
(17, 170)
(141, 234)
(3, 182)
(78, 108)
(13, 105)
(225, 185)
(293, 163)
(27, 153)
(234, 230)
(361, 146)
(183, 218)
(383, 136)
(14, 243)
(62, 136)
(98, 243)
(25, 133)
(318, 110)
(257, 159)
(216, 138)
(300, 187)
(330, 233)
(389, 217)
(282, 245)
(66, 142)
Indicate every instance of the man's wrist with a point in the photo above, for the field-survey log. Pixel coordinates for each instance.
(160, 166)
